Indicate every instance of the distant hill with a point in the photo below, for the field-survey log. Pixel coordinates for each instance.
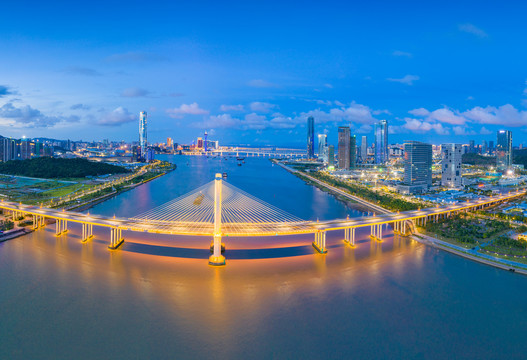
(480, 160)
(520, 157)
(54, 168)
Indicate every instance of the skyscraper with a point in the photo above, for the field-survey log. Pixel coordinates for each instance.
(471, 148)
(353, 151)
(331, 155)
(451, 165)
(504, 150)
(310, 137)
(484, 147)
(381, 142)
(491, 147)
(417, 167)
(323, 147)
(143, 141)
(364, 149)
(344, 147)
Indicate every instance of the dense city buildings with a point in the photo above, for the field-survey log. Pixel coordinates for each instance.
(331, 155)
(353, 151)
(323, 147)
(381, 142)
(344, 147)
(451, 158)
(417, 167)
(364, 150)
(310, 137)
(143, 140)
(504, 150)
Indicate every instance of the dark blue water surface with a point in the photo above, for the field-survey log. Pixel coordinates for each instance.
(156, 297)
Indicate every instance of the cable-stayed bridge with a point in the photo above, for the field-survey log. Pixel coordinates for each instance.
(218, 209)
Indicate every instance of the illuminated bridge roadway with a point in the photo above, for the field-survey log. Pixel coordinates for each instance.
(219, 209)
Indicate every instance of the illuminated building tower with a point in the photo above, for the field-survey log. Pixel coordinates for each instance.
(323, 147)
(504, 150)
(310, 137)
(381, 142)
(143, 141)
(199, 143)
(344, 148)
(364, 149)
(451, 165)
(353, 151)
(417, 166)
(205, 142)
(170, 144)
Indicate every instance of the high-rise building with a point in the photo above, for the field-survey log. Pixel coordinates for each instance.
(143, 140)
(7, 149)
(417, 167)
(471, 148)
(310, 137)
(25, 149)
(205, 142)
(491, 147)
(200, 143)
(323, 147)
(484, 147)
(331, 155)
(344, 147)
(381, 142)
(353, 151)
(170, 144)
(451, 165)
(504, 150)
(364, 149)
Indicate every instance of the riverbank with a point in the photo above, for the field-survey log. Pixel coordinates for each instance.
(424, 239)
(336, 191)
(92, 202)
(14, 234)
(471, 255)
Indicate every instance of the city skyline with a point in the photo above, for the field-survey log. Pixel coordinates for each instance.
(90, 79)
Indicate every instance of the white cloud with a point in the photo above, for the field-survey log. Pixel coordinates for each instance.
(329, 86)
(419, 112)
(503, 115)
(187, 109)
(460, 130)
(27, 116)
(415, 125)
(402, 53)
(135, 92)
(226, 108)
(485, 131)
(472, 29)
(116, 117)
(443, 115)
(259, 83)
(262, 107)
(407, 79)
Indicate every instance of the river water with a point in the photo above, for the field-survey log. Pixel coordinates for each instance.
(156, 297)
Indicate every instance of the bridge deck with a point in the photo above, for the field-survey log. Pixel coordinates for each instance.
(246, 229)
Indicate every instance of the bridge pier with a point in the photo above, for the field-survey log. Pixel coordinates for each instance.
(38, 222)
(217, 259)
(87, 232)
(376, 232)
(61, 227)
(320, 242)
(116, 238)
(349, 236)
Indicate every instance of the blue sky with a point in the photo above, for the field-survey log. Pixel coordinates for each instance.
(252, 73)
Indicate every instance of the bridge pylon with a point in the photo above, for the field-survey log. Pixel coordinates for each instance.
(217, 259)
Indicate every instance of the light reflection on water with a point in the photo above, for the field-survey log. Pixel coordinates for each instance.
(156, 297)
